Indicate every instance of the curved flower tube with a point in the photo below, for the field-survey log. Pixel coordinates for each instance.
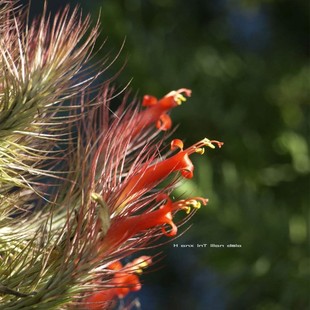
(150, 176)
(125, 227)
(124, 281)
(156, 111)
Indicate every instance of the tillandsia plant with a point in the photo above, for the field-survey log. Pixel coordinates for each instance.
(81, 186)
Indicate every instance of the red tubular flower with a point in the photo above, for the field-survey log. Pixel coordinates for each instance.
(150, 176)
(156, 111)
(124, 281)
(126, 227)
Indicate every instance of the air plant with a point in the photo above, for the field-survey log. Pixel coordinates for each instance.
(81, 185)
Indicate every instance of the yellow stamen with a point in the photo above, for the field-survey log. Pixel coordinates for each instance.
(197, 205)
(187, 209)
(194, 203)
(208, 143)
(200, 150)
(179, 98)
(140, 266)
(138, 271)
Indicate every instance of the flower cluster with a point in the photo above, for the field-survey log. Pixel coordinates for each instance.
(134, 209)
(124, 280)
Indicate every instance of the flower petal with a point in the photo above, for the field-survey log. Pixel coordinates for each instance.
(164, 122)
(176, 143)
(149, 101)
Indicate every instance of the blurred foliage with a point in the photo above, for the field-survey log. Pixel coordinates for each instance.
(246, 62)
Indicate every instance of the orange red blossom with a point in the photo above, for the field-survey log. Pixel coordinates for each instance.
(150, 176)
(127, 221)
(156, 110)
(125, 280)
(125, 227)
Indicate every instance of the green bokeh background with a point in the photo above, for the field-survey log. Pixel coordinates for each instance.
(247, 65)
